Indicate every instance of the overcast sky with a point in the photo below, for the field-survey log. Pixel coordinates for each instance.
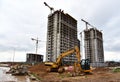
(21, 20)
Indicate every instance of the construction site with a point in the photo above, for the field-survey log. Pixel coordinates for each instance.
(63, 53)
(103, 74)
(63, 57)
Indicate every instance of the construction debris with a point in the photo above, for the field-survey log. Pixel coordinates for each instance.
(18, 70)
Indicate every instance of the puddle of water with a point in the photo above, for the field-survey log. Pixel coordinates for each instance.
(9, 78)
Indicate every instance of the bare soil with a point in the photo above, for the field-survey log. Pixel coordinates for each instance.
(98, 75)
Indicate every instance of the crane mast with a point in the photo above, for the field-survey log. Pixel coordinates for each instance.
(51, 8)
(86, 23)
(36, 43)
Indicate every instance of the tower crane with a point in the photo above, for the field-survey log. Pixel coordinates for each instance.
(87, 23)
(36, 43)
(51, 8)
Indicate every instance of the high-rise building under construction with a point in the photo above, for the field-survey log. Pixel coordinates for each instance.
(93, 42)
(61, 35)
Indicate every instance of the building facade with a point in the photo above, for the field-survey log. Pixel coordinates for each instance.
(61, 35)
(93, 42)
(34, 58)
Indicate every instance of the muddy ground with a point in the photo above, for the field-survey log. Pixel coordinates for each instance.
(98, 75)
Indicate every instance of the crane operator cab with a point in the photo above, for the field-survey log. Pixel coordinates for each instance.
(85, 65)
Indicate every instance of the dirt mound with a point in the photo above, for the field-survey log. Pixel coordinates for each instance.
(39, 69)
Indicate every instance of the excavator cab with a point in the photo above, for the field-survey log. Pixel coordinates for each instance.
(85, 65)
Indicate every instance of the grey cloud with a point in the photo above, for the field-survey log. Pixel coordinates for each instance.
(112, 48)
(104, 12)
(22, 19)
(2, 36)
(17, 48)
(112, 44)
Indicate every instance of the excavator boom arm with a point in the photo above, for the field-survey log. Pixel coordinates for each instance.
(76, 50)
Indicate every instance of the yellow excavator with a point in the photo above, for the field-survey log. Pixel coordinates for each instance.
(80, 65)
